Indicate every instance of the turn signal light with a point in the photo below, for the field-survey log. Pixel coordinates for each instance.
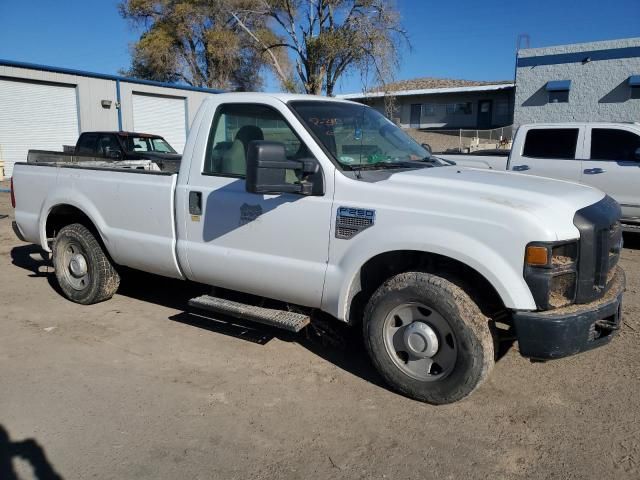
(537, 255)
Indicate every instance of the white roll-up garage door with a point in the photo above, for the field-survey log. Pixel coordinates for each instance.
(165, 116)
(35, 116)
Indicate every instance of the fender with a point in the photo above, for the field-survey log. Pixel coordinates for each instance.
(343, 273)
(76, 199)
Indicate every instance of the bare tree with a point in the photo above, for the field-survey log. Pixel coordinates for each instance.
(326, 39)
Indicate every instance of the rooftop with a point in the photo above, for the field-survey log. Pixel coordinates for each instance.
(431, 82)
(428, 85)
(104, 76)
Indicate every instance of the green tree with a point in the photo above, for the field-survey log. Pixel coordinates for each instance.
(197, 42)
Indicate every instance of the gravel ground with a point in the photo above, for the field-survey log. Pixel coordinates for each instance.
(136, 388)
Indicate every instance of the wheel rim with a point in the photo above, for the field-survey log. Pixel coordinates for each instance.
(420, 342)
(75, 268)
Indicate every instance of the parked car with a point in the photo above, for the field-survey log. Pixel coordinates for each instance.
(309, 204)
(602, 155)
(124, 149)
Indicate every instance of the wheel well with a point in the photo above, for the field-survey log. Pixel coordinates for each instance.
(62, 215)
(385, 265)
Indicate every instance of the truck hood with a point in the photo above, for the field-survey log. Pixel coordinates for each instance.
(549, 203)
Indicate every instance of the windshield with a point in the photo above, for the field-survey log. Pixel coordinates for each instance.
(148, 144)
(359, 136)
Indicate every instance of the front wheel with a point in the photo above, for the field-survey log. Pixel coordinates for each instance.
(427, 338)
(84, 272)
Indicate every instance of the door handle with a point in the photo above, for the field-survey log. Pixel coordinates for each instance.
(195, 203)
(594, 171)
(521, 168)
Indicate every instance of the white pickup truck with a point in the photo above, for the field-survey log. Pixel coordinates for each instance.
(603, 155)
(308, 204)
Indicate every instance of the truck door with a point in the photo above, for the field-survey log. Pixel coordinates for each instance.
(612, 164)
(267, 245)
(547, 152)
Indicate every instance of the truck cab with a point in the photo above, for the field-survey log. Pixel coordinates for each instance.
(602, 155)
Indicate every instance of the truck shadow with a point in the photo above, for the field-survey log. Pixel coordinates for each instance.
(35, 260)
(631, 240)
(29, 451)
(332, 341)
(342, 347)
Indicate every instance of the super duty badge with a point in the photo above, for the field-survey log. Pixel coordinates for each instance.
(352, 220)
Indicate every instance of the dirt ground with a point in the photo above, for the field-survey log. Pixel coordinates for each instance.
(137, 388)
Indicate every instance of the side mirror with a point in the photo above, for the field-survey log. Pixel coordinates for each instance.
(636, 154)
(427, 147)
(114, 154)
(267, 167)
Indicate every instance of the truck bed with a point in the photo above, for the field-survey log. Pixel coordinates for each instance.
(132, 209)
(66, 158)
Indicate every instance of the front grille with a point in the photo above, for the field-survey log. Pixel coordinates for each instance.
(600, 245)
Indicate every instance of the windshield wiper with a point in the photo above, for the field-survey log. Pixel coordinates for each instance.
(437, 161)
(384, 165)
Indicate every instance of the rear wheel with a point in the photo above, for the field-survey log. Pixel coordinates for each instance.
(427, 338)
(84, 272)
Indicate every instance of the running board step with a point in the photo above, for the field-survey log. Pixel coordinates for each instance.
(291, 321)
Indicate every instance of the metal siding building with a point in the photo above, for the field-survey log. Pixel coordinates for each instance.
(578, 83)
(45, 108)
(472, 107)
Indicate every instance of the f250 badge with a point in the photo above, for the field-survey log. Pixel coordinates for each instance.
(352, 220)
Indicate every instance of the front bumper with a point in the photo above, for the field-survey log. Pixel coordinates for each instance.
(573, 329)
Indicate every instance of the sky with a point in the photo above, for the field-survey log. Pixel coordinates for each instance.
(463, 39)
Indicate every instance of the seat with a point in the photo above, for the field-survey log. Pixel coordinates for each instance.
(234, 160)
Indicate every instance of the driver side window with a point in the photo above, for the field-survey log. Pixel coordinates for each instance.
(235, 126)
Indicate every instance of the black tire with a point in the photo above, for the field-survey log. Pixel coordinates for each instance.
(101, 279)
(473, 357)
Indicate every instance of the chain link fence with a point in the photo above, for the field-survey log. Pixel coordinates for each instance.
(463, 140)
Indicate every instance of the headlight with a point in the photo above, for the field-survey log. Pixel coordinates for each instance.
(550, 270)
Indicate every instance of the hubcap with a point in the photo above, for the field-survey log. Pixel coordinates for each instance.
(75, 267)
(78, 265)
(420, 341)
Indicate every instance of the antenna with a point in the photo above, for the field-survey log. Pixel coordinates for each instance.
(523, 37)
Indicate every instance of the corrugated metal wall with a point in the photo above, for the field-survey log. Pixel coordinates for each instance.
(89, 112)
(35, 115)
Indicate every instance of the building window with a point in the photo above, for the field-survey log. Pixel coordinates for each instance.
(429, 109)
(634, 84)
(502, 108)
(561, 96)
(558, 143)
(558, 91)
(458, 108)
